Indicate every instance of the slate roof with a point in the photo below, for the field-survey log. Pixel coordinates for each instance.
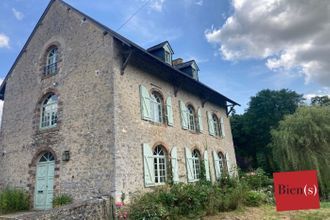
(195, 84)
(185, 64)
(158, 46)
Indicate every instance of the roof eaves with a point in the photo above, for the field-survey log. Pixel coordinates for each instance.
(130, 43)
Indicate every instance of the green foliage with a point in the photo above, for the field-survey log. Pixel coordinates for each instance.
(251, 131)
(257, 180)
(62, 199)
(13, 200)
(302, 142)
(190, 201)
(254, 198)
(320, 101)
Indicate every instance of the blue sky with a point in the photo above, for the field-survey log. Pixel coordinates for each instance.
(240, 46)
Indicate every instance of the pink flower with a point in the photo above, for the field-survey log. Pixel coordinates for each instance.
(119, 204)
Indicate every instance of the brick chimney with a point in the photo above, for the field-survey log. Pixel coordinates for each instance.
(177, 61)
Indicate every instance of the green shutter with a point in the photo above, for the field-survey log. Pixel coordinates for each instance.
(207, 168)
(222, 125)
(216, 165)
(189, 165)
(184, 115)
(169, 111)
(145, 103)
(210, 122)
(175, 168)
(228, 164)
(200, 122)
(149, 173)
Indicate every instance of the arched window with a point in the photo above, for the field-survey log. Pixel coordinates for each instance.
(191, 118)
(46, 157)
(222, 162)
(216, 124)
(196, 164)
(156, 107)
(51, 61)
(160, 164)
(49, 112)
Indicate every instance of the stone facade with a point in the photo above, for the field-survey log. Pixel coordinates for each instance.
(99, 114)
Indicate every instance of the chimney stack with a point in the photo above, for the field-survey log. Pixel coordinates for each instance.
(177, 61)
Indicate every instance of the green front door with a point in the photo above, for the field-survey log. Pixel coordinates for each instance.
(43, 195)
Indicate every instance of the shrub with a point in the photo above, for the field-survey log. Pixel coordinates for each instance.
(257, 180)
(180, 201)
(12, 200)
(62, 199)
(254, 198)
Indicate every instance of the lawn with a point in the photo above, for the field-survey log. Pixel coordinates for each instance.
(269, 212)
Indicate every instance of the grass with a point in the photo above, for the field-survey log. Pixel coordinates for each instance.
(269, 212)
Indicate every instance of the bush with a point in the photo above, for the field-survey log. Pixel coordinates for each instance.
(62, 199)
(254, 198)
(13, 200)
(257, 180)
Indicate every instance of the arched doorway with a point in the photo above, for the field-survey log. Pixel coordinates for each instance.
(43, 195)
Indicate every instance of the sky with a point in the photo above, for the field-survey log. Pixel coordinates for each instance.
(240, 46)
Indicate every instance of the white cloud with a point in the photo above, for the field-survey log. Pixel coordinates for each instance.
(18, 15)
(287, 34)
(4, 40)
(1, 105)
(157, 5)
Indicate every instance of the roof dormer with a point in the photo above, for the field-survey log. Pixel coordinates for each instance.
(163, 51)
(190, 68)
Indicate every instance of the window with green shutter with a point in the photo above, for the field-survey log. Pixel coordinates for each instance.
(210, 123)
(184, 115)
(145, 103)
(149, 170)
(222, 126)
(207, 168)
(200, 121)
(169, 111)
(175, 166)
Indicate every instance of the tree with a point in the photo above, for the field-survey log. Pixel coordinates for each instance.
(320, 101)
(252, 130)
(302, 142)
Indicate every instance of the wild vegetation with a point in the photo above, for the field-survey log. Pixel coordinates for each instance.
(13, 200)
(279, 132)
(62, 199)
(302, 142)
(186, 201)
(251, 130)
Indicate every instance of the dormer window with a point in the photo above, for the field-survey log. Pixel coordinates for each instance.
(163, 51)
(51, 61)
(190, 68)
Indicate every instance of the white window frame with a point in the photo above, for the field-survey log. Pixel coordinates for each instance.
(160, 165)
(222, 161)
(51, 62)
(167, 57)
(48, 112)
(191, 118)
(215, 121)
(196, 162)
(156, 106)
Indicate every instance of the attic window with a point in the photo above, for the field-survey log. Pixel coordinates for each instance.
(168, 57)
(51, 61)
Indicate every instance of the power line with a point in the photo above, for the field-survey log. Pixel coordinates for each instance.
(137, 11)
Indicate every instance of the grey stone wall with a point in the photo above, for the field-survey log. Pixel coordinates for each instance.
(99, 114)
(132, 131)
(85, 87)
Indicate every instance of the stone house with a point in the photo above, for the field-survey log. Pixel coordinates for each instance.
(89, 113)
